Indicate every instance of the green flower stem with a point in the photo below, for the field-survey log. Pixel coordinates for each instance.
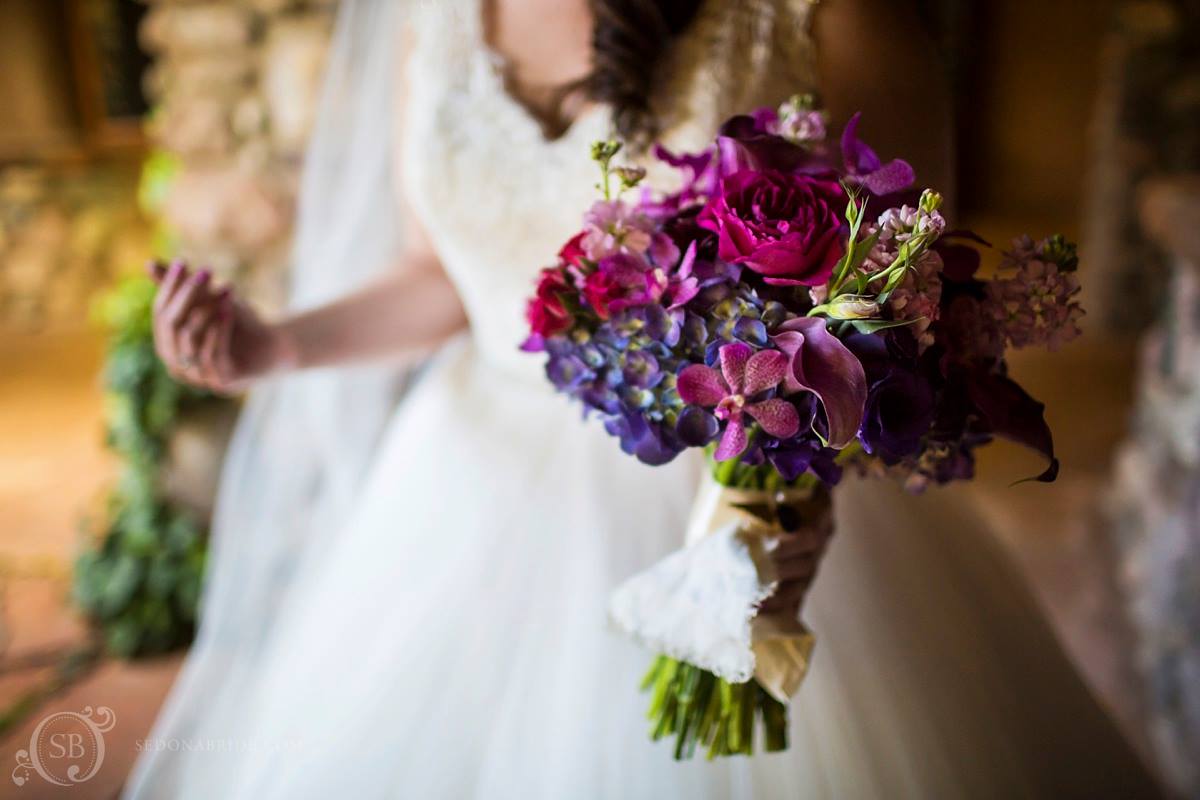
(692, 704)
(701, 710)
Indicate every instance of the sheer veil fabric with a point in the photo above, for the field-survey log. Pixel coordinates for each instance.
(303, 442)
(409, 600)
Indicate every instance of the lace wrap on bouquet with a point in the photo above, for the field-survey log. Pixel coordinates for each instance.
(700, 604)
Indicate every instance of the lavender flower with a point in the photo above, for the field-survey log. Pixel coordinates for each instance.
(799, 122)
(1037, 303)
(864, 168)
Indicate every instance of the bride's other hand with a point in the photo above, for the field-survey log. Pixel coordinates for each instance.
(796, 556)
(208, 338)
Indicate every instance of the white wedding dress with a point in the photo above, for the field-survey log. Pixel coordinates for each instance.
(447, 638)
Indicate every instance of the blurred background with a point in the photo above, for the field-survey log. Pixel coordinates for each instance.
(131, 130)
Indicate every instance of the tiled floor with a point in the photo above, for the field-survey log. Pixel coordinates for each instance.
(53, 470)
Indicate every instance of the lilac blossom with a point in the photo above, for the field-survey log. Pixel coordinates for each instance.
(799, 122)
(908, 222)
(612, 227)
(918, 297)
(1036, 303)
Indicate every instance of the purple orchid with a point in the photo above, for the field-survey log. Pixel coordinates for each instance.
(752, 142)
(864, 167)
(818, 362)
(699, 176)
(743, 374)
(683, 285)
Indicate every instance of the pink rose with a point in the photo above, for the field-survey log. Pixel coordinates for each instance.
(785, 227)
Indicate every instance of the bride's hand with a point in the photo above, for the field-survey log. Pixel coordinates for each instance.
(207, 337)
(796, 556)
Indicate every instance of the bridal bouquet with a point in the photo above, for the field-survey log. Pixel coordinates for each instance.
(795, 308)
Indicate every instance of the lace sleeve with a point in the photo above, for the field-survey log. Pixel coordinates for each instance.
(736, 57)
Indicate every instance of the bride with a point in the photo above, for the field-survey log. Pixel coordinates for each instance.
(407, 599)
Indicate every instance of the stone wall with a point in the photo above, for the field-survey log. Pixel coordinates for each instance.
(234, 88)
(1146, 123)
(1154, 501)
(65, 233)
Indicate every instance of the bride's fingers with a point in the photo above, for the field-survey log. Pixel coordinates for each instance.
(164, 334)
(157, 271)
(223, 349)
(207, 357)
(192, 292)
(788, 596)
(797, 543)
(173, 276)
(166, 275)
(799, 568)
(190, 335)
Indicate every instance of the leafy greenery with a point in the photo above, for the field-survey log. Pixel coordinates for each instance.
(141, 581)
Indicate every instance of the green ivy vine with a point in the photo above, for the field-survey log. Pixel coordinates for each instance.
(139, 581)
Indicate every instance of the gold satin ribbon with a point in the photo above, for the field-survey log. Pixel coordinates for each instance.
(782, 645)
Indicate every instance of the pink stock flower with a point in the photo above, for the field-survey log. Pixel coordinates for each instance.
(801, 125)
(743, 374)
(919, 296)
(795, 120)
(903, 223)
(612, 227)
(1037, 304)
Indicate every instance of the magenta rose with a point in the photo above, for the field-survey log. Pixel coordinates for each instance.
(788, 228)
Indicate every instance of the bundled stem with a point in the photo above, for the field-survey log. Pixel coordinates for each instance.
(700, 709)
(697, 707)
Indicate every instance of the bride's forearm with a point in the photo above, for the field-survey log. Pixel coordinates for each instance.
(406, 314)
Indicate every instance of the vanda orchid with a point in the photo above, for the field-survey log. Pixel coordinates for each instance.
(796, 307)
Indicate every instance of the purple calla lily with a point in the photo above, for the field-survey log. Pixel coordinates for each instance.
(1010, 412)
(818, 362)
(960, 260)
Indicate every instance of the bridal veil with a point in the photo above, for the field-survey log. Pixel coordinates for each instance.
(303, 441)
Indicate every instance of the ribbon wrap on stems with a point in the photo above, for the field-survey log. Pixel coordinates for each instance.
(700, 604)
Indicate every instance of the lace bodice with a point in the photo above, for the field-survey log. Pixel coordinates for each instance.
(498, 199)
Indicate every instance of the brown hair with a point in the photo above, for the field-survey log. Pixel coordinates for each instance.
(629, 40)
